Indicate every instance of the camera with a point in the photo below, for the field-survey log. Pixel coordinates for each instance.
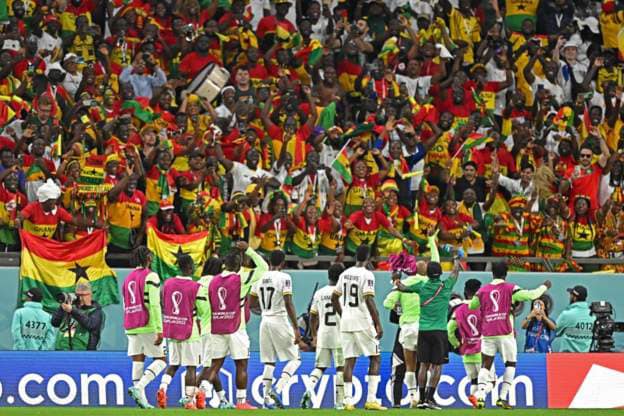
(604, 327)
(66, 297)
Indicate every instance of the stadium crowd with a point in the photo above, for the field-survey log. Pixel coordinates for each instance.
(342, 123)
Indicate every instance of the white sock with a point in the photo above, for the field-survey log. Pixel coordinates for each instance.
(267, 379)
(205, 386)
(189, 391)
(473, 389)
(412, 387)
(340, 387)
(315, 376)
(241, 396)
(289, 370)
(483, 380)
(508, 377)
(221, 395)
(165, 380)
(155, 368)
(373, 383)
(348, 392)
(137, 371)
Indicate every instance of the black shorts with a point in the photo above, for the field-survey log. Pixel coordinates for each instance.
(433, 347)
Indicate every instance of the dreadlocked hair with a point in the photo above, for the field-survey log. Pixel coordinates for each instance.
(139, 256)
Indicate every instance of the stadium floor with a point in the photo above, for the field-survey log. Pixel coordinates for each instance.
(104, 411)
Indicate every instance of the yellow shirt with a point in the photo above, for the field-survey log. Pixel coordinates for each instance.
(610, 25)
(467, 29)
(517, 40)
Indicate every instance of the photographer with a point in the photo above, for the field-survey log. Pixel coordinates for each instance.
(540, 329)
(143, 75)
(575, 324)
(79, 319)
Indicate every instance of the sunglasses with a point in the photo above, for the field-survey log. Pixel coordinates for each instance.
(584, 155)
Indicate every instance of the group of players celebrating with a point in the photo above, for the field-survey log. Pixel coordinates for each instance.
(204, 321)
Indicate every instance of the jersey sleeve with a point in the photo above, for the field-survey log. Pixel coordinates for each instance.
(314, 308)
(391, 299)
(522, 295)
(152, 285)
(254, 290)
(475, 303)
(202, 304)
(337, 289)
(286, 285)
(451, 327)
(256, 274)
(368, 288)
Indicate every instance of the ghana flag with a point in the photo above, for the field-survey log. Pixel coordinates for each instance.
(167, 248)
(56, 267)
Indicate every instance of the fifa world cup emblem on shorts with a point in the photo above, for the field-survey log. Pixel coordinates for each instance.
(176, 298)
(472, 321)
(222, 295)
(131, 287)
(494, 297)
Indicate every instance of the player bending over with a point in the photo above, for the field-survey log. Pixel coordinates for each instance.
(495, 300)
(325, 326)
(464, 331)
(279, 332)
(360, 328)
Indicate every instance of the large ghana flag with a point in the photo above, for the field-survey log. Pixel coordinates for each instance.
(56, 267)
(167, 248)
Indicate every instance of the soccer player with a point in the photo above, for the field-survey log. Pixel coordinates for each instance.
(495, 300)
(467, 324)
(409, 305)
(279, 332)
(143, 324)
(360, 328)
(185, 305)
(212, 268)
(229, 331)
(325, 327)
(432, 338)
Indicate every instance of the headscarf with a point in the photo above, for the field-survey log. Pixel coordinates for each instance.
(48, 190)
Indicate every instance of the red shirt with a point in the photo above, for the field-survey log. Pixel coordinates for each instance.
(193, 63)
(268, 24)
(41, 223)
(483, 159)
(174, 227)
(377, 221)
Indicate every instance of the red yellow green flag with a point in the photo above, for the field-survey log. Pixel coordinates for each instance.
(342, 164)
(56, 267)
(168, 247)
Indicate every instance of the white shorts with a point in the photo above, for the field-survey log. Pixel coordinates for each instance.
(206, 358)
(277, 340)
(144, 344)
(408, 337)
(324, 357)
(235, 345)
(505, 346)
(185, 353)
(359, 343)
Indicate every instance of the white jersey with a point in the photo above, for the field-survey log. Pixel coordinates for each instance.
(328, 335)
(353, 285)
(270, 291)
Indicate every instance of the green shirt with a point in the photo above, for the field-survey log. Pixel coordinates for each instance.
(575, 328)
(409, 303)
(152, 294)
(433, 316)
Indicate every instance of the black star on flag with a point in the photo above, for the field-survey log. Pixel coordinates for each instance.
(80, 272)
(179, 253)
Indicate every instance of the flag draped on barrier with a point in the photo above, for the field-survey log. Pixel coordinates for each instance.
(56, 267)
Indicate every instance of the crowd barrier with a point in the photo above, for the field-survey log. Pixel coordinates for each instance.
(101, 379)
(608, 287)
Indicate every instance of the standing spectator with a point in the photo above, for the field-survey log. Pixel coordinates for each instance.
(31, 327)
(540, 329)
(575, 325)
(143, 75)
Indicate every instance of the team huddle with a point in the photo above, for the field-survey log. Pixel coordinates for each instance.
(202, 322)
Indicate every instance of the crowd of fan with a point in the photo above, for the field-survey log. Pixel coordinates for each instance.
(497, 125)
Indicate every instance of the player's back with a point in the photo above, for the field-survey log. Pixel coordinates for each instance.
(354, 285)
(270, 290)
(496, 303)
(329, 321)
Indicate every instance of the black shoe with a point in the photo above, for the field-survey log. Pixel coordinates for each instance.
(431, 404)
